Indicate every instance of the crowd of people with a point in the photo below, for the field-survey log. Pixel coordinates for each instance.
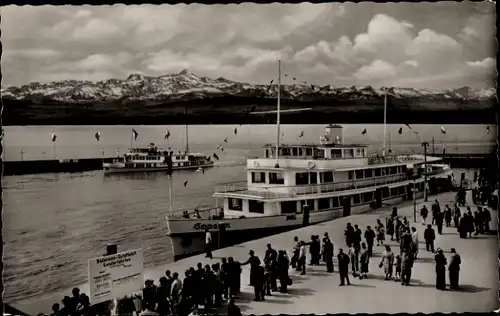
(211, 286)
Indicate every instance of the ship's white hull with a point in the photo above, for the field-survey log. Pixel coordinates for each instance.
(188, 235)
(110, 169)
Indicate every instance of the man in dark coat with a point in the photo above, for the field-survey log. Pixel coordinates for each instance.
(325, 238)
(270, 261)
(429, 237)
(436, 209)
(397, 228)
(349, 234)
(390, 228)
(254, 262)
(282, 271)
(233, 276)
(440, 270)
(406, 242)
(456, 217)
(343, 267)
(463, 227)
(328, 254)
(478, 222)
(439, 222)
(358, 234)
(370, 239)
(447, 215)
(486, 219)
(454, 269)
(406, 266)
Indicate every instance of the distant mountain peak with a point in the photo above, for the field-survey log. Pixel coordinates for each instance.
(186, 85)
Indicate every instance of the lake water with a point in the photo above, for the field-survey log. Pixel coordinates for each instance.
(54, 223)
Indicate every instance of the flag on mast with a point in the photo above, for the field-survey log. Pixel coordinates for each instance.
(400, 130)
(167, 134)
(135, 134)
(443, 130)
(54, 137)
(97, 136)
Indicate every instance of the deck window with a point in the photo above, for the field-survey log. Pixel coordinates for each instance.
(394, 170)
(309, 152)
(324, 204)
(356, 199)
(327, 177)
(313, 177)
(385, 192)
(336, 153)
(359, 174)
(301, 152)
(294, 151)
(403, 169)
(267, 153)
(394, 192)
(235, 204)
(367, 197)
(348, 153)
(255, 206)
(310, 203)
(368, 173)
(289, 207)
(350, 174)
(302, 178)
(319, 153)
(276, 178)
(378, 172)
(286, 151)
(402, 190)
(335, 202)
(258, 177)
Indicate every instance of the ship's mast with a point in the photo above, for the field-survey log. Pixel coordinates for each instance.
(278, 117)
(385, 121)
(187, 135)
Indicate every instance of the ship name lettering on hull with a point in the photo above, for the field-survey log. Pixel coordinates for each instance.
(200, 226)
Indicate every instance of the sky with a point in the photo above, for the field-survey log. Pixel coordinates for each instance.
(423, 45)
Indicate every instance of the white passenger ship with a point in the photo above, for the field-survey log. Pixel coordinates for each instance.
(313, 183)
(153, 158)
(298, 185)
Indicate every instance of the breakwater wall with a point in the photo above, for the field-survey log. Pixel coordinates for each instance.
(11, 168)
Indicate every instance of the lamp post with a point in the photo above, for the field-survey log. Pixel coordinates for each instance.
(414, 201)
(425, 144)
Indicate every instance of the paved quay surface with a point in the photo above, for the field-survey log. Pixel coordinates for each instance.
(318, 292)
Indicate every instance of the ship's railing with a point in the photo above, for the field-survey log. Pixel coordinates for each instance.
(376, 159)
(205, 213)
(291, 191)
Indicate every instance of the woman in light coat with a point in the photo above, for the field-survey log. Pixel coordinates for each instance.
(387, 262)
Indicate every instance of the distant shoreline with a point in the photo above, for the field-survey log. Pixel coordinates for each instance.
(17, 113)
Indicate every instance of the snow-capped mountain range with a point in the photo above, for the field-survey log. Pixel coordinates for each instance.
(185, 85)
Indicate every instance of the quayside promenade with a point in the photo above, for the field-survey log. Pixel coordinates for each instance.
(318, 292)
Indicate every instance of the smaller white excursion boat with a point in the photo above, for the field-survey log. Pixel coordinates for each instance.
(153, 158)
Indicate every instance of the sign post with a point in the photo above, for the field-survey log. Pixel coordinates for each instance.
(114, 276)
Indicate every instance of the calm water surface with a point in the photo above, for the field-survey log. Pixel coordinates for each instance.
(54, 223)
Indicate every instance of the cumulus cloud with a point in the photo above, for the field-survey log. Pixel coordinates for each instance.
(338, 44)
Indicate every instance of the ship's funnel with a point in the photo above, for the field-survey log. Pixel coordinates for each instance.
(333, 134)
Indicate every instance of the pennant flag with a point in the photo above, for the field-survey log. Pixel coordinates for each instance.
(167, 134)
(219, 147)
(271, 81)
(443, 130)
(400, 130)
(488, 130)
(135, 134)
(168, 160)
(363, 132)
(409, 126)
(215, 156)
(301, 134)
(236, 131)
(225, 140)
(54, 137)
(97, 136)
(185, 183)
